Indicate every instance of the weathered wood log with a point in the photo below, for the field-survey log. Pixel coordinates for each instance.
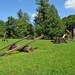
(13, 43)
(23, 47)
(28, 49)
(26, 45)
(59, 40)
(12, 46)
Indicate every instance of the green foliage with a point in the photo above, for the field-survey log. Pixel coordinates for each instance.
(30, 29)
(48, 20)
(23, 24)
(20, 14)
(17, 28)
(69, 21)
(10, 27)
(2, 28)
(23, 15)
(38, 30)
(22, 27)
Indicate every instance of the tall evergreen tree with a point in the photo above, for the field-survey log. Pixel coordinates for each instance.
(47, 20)
(2, 28)
(10, 27)
(22, 23)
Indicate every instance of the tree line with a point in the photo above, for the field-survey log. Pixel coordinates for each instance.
(47, 22)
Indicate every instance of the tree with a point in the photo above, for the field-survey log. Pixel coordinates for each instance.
(20, 14)
(22, 23)
(30, 29)
(69, 21)
(23, 15)
(2, 28)
(47, 21)
(10, 27)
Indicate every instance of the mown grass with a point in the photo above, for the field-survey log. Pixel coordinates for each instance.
(47, 59)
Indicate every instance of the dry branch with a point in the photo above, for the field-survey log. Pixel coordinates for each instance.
(19, 48)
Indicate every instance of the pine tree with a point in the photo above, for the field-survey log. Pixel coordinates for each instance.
(48, 20)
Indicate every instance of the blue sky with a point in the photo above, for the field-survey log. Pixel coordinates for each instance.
(10, 7)
(64, 7)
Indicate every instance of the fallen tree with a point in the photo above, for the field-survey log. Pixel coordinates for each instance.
(14, 43)
(23, 48)
(62, 39)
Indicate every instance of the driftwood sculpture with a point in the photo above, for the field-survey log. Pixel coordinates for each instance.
(23, 48)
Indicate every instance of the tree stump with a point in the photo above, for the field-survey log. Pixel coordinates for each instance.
(59, 40)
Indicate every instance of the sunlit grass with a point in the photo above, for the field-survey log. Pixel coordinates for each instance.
(47, 59)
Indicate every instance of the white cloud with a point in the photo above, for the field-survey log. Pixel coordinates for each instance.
(69, 4)
(33, 16)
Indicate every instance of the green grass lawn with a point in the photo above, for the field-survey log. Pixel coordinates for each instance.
(47, 59)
